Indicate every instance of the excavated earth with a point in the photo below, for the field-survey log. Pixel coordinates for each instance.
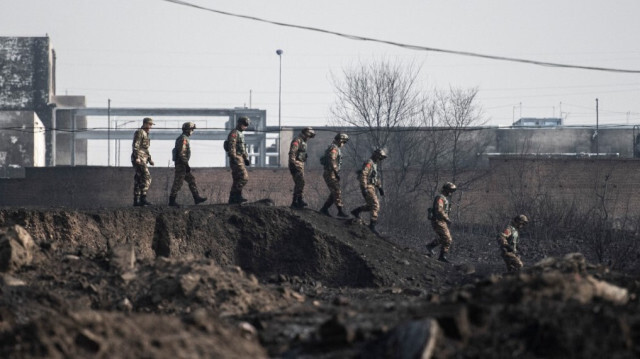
(258, 281)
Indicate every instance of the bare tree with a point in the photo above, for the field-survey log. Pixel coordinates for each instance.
(458, 111)
(380, 97)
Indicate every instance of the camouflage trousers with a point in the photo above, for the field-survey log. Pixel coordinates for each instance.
(141, 180)
(239, 174)
(369, 194)
(443, 236)
(512, 261)
(297, 172)
(180, 176)
(334, 187)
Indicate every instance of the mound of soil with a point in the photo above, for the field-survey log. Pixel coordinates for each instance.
(263, 281)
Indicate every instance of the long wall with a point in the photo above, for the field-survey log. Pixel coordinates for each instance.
(509, 186)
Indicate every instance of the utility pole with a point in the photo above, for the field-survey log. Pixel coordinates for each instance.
(597, 135)
(109, 133)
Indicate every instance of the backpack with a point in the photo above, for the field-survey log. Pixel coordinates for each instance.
(225, 145)
(323, 159)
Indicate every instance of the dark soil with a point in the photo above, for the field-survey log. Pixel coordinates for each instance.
(257, 281)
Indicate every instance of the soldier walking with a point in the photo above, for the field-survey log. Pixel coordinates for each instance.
(508, 242)
(297, 158)
(440, 221)
(332, 162)
(238, 160)
(181, 156)
(370, 182)
(140, 157)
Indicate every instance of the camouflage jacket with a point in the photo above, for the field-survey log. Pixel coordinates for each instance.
(182, 149)
(369, 174)
(298, 150)
(334, 158)
(237, 146)
(140, 147)
(441, 207)
(509, 237)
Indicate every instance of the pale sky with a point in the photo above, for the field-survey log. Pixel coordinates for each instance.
(152, 53)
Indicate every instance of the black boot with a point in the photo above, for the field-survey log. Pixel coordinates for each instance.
(341, 213)
(356, 212)
(172, 202)
(372, 227)
(431, 247)
(143, 201)
(443, 257)
(240, 198)
(325, 209)
(136, 200)
(233, 198)
(197, 199)
(298, 203)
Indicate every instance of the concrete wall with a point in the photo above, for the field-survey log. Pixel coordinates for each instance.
(26, 78)
(22, 142)
(510, 186)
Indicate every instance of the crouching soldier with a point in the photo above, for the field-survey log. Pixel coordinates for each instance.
(440, 221)
(140, 156)
(370, 182)
(332, 161)
(181, 156)
(238, 160)
(508, 242)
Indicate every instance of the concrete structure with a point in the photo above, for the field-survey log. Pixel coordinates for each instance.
(538, 122)
(509, 186)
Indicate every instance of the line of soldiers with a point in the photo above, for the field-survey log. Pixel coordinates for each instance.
(368, 178)
(181, 154)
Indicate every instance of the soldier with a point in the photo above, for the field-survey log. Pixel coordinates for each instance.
(139, 158)
(181, 156)
(369, 182)
(238, 159)
(439, 216)
(297, 158)
(332, 161)
(508, 241)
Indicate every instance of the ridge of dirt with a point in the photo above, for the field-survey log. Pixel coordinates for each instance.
(262, 281)
(264, 240)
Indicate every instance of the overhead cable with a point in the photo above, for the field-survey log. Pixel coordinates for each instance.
(406, 46)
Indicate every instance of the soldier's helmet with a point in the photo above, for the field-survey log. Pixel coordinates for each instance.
(521, 219)
(342, 137)
(309, 132)
(449, 187)
(244, 121)
(147, 120)
(188, 126)
(379, 153)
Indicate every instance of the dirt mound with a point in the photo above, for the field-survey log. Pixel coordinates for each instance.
(95, 334)
(257, 280)
(264, 240)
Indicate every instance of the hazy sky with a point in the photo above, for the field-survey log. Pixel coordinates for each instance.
(158, 54)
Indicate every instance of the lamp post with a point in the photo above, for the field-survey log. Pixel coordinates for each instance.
(279, 53)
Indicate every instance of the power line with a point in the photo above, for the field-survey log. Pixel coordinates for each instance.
(406, 46)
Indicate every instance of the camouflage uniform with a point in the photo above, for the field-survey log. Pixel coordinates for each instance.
(440, 223)
(297, 158)
(331, 173)
(369, 182)
(139, 158)
(182, 152)
(237, 157)
(508, 241)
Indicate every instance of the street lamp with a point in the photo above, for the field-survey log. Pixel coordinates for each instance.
(279, 53)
